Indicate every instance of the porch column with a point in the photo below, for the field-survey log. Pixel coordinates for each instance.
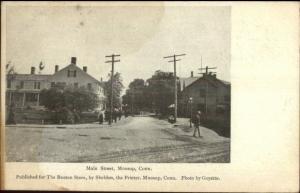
(38, 99)
(24, 98)
(10, 98)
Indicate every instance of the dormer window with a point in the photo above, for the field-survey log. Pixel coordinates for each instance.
(71, 73)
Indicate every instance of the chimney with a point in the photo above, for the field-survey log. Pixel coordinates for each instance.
(32, 70)
(85, 69)
(56, 68)
(192, 74)
(73, 60)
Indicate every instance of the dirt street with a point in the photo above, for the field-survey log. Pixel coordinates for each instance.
(135, 139)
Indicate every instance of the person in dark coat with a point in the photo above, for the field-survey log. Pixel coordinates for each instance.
(107, 116)
(119, 114)
(114, 114)
(11, 115)
(197, 124)
(100, 118)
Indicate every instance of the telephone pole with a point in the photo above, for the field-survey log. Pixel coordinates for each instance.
(206, 90)
(112, 61)
(206, 69)
(174, 60)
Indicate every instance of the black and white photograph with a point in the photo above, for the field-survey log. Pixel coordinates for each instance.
(157, 96)
(118, 84)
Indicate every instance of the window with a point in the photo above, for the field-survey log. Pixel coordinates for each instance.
(76, 85)
(89, 86)
(71, 73)
(37, 85)
(52, 84)
(202, 92)
(8, 83)
(22, 84)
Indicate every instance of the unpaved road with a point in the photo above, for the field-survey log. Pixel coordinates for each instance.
(135, 139)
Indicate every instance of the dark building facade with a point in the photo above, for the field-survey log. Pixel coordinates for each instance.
(211, 96)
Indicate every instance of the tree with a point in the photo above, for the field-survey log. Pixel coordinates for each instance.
(10, 76)
(161, 90)
(135, 98)
(52, 99)
(117, 90)
(68, 102)
(137, 84)
(156, 94)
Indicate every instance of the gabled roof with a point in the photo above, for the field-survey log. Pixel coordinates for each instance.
(225, 82)
(73, 65)
(212, 80)
(184, 82)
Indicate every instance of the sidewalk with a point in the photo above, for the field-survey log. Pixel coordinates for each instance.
(182, 129)
(94, 125)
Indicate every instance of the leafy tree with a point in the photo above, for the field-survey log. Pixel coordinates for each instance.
(68, 102)
(10, 76)
(10, 69)
(52, 99)
(156, 94)
(161, 90)
(136, 97)
(117, 90)
(137, 84)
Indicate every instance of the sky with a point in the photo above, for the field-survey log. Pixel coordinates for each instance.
(142, 35)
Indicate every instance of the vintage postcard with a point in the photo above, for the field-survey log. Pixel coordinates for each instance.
(154, 96)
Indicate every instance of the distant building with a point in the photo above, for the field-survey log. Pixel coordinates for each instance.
(24, 89)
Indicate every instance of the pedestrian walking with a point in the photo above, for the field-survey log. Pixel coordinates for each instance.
(11, 115)
(197, 124)
(119, 114)
(100, 118)
(114, 115)
(106, 116)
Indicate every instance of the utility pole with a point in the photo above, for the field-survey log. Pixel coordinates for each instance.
(175, 81)
(206, 69)
(191, 110)
(206, 89)
(201, 62)
(112, 61)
